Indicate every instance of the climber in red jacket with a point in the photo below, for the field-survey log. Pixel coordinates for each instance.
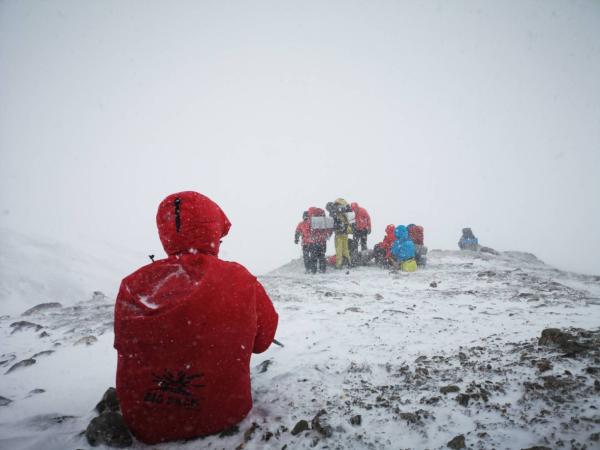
(383, 250)
(303, 231)
(362, 226)
(185, 328)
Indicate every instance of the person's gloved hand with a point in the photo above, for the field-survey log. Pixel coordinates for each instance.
(295, 241)
(368, 230)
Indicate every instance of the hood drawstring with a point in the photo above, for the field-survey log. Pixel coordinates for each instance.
(177, 216)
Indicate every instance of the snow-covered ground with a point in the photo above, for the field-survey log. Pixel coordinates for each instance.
(369, 343)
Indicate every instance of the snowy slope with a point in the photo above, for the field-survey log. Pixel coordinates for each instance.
(35, 270)
(368, 342)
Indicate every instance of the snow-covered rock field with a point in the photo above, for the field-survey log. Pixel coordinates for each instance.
(372, 359)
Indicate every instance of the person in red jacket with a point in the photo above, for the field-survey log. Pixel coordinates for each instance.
(416, 234)
(303, 231)
(383, 250)
(186, 327)
(318, 246)
(362, 226)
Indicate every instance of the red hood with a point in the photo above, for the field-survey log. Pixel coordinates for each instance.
(189, 222)
(389, 230)
(354, 207)
(313, 211)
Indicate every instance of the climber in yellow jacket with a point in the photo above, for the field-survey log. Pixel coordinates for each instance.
(342, 227)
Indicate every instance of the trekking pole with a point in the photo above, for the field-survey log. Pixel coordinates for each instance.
(275, 341)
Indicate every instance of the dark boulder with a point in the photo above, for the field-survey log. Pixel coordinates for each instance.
(457, 443)
(449, 389)
(109, 401)
(301, 426)
(321, 424)
(21, 364)
(108, 429)
(356, 420)
(565, 341)
(24, 325)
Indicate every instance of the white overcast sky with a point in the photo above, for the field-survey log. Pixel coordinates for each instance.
(447, 114)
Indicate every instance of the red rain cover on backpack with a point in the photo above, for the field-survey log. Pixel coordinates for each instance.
(415, 233)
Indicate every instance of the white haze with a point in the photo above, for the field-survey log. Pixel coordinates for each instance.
(448, 114)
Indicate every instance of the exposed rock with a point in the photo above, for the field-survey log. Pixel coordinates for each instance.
(44, 353)
(43, 334)
(554, 383)
(21, 364)
(488, 250)
(415, 417)
(35, 392)
(463, 399)
(356, 420)
(409, 417)
(457, 443)
(449, 389)
(264, 366)
(5, 401)
(8, 358)
(87, 340)
(231, 431)
(565, 341)
(431, 401)
(267, 436)
(46, 421)
(301, 426)
(378, 297)
(433, 284)
(249, 433)
(24, 325)
(537, 447)
(98, 296)
(321, 424)
(487, 273)
(544, 365)
(109, 429)
(42, 307)
(109, 401)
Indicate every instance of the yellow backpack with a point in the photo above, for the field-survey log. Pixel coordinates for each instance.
(410, 265)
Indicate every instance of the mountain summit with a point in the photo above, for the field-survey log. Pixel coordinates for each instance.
(475, 350)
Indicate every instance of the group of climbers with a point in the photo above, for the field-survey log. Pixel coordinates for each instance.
(402, 248)
(343, 220)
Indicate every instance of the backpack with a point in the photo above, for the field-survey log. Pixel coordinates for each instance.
(410, 265)
(416, 234)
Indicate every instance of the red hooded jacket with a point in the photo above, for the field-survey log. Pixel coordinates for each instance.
(389, 239)
(303, 230)
(185, 328)
(363, 220)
